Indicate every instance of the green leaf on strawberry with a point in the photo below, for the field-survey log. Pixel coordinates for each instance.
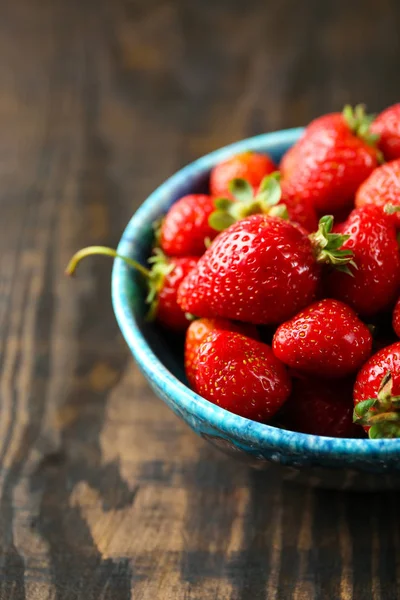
(381, 414)
(328, 246)
(161, 267)
(241, 190)
(360, 122)
(265, 201)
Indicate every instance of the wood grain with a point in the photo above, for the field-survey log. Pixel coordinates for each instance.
(104, 494)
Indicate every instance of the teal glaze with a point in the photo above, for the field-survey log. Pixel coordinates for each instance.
(331, 462)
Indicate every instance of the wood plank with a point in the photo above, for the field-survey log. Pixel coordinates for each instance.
(104, 493)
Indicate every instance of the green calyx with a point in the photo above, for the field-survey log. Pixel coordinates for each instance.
(157, 226)
(380, 414)
(160, 268)
(359, 123)
(390, 209)
(327, 247)
(246, 203)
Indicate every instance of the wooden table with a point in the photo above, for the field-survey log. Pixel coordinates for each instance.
(104, 494)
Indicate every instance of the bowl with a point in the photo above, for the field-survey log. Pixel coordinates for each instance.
(359, 464)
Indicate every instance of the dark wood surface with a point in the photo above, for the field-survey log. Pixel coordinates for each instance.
(104, 494)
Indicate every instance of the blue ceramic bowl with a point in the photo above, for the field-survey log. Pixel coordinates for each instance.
(333, 462)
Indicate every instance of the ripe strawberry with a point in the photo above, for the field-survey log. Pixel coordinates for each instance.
(241, 375)
(260, 270)
(396, 318)
(326, 339)
(382, 188)
(320, 407)
(377, 394)
(198, 331)
(375, 282)
(387, 126)
(267, 200)
(251, 166)
(185, 226)
(333, 157)
(301, 212)
(167, 275)
(163, 280)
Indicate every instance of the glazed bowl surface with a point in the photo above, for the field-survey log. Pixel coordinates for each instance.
(315, 460)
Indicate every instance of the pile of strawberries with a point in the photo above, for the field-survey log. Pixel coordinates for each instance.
(286, 280)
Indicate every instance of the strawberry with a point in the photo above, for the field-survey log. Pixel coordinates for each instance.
(166, 277)
(377, 394)
(375, 282)
(251, 166)
(241, 375)
(333, 157)
(261, 270)
(267, 200)
(185, 227)
(301, 212)
(163, 279)
(382, 188)
(396, 318)
(325, 339)
(198, 331)
(387, 126)
(320, 407)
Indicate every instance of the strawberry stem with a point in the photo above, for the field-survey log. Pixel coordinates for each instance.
(390, 209)
(105, 251)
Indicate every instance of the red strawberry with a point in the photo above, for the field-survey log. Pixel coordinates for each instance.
(396, 318)
(267, 200)
(261, 270)
(382, 188)
(167, 277)
(377, 394)
(198, 331)
(326, 339)
(320, 407)
(333, 157)
(185, 226)
(375, 282)
(300, 212)
(387, 126)
(163, 280)
(251, 166)
(241, 375)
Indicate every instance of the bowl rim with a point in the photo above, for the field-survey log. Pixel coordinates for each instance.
(254, 433)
